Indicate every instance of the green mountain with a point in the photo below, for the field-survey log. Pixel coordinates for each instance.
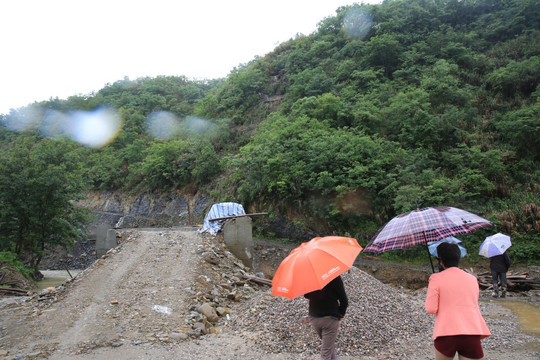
(385, 108)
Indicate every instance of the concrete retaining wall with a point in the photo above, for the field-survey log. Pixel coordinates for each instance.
(237, 235)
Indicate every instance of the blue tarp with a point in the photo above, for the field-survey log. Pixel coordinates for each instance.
(218, 211)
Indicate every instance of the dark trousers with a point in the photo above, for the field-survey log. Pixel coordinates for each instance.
(327, 328)
(497, 277)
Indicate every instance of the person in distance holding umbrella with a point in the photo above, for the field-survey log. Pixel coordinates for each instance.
(499, 265)
(494, 247)
(326, 309)
(452, 296)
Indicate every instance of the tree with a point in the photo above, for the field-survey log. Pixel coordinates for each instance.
(521, 128)
(384, 51)
(39, 179)
(242, 91)
(516, 77)
(166, 165)
(309, 83)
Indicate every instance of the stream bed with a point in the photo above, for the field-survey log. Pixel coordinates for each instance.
(54, 278)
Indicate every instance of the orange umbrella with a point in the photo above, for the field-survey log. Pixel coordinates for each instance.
(314, 264)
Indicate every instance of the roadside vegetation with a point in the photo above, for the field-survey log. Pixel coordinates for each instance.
(384, 109)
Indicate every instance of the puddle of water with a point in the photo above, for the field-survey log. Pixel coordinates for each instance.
(528, 315)
(54, 278)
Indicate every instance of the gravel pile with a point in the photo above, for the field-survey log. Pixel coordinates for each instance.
(379, 318)
(381, 322)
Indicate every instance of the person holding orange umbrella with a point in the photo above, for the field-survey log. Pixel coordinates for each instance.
(326, 309)
(313, 269)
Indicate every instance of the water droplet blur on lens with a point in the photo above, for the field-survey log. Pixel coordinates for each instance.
(357, 24)
(24, 119)
(94, 128)
(55, 124)
(162, 125)
(197, 126)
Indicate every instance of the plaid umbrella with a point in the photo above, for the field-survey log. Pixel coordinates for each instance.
(423, 225)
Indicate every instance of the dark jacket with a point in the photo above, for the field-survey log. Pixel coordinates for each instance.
(331, 300)
(500, 263)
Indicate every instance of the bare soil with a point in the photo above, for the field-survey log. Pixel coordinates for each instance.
(139, 302)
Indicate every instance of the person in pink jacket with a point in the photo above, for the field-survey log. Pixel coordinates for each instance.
(452, 296)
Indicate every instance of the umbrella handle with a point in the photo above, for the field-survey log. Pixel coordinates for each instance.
(429, 255)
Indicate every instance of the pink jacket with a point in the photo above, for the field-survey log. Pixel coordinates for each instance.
(453, 296)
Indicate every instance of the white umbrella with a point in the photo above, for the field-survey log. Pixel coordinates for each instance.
(495, 245)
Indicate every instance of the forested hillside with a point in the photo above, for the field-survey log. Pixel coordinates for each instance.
(384, 109)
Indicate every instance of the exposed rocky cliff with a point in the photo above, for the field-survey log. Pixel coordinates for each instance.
(121, 210)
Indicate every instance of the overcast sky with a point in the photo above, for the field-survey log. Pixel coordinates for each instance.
(59, 48)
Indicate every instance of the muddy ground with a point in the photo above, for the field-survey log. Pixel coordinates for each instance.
(142, 301)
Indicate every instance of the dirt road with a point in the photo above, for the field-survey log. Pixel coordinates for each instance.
(140, 302)
(135, 303)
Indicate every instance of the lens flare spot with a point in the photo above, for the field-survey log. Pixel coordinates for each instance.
(94, 128)
(162, 125)
(357, 24)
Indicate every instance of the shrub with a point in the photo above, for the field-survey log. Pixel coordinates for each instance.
(11, 259)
